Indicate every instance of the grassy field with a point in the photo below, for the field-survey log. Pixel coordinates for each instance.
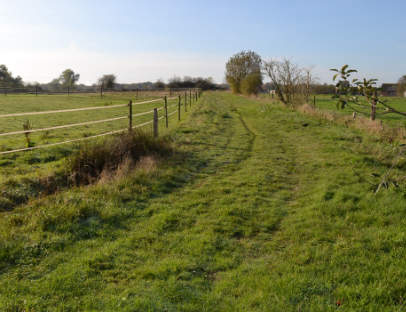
(261, 209)
(326, 102)
(21, 164)
(31, 103)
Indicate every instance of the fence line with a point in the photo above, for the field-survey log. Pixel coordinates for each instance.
(74, 140)
(74, 109)
(99, 90)
(64, 126)
(62, 111)
(90, 122)
(77, 124)
(60, 143)
(170, 114)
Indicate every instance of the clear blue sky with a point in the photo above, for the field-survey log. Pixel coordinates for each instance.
(146, 40)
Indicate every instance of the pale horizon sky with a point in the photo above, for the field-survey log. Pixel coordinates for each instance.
(145, 40)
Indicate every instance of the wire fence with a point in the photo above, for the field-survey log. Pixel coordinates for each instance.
(161, 107)
(35, 90)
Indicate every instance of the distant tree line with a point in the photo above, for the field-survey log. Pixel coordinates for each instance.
(68, 80)
(190, 82)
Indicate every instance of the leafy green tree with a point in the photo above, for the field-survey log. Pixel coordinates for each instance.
(344, 87)
(241, 65)
(7, 79)
(251, 84)
(108, 81)
(68, 78)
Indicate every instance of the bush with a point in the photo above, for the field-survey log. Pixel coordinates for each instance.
(251, 84)
(234, 85)
(240, 66)
(92, 159)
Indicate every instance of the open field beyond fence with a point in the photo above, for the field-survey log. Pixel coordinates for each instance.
(326, 102)
(76, 117)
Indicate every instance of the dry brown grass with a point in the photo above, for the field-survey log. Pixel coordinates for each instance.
(374, 127)
(146, 165)
(116, 156)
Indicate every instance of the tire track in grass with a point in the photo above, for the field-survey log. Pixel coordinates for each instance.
(185, 246)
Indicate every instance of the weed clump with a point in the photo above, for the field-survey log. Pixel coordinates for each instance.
(96, 159)
(27, 126)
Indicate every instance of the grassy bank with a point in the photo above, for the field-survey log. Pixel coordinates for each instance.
(261, 209)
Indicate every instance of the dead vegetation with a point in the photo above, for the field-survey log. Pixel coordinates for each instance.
(374, 127)
(101, 161)
(116, 157)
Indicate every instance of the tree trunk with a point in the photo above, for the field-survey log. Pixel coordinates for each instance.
(373, 109)
(373, 106)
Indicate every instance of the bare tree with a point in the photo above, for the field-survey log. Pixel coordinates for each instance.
(309, 80)
(287, 79)
(401, 90)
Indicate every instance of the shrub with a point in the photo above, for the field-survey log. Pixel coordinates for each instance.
(251, 84)
(241, 65)
(92, 159)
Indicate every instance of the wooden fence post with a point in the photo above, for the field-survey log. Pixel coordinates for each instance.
(130, 116)
(179, 108)
(373, 106)
(314, 101)
(190, 97)
(185, 102)
(166, 111)
(155, 123)
(101, 90)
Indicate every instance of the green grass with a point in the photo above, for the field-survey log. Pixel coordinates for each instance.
(260, 209)
(326, 102)
(21, 164)
(31, 103)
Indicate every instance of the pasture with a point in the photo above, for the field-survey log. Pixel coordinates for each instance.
(326, 102)
(19, 164)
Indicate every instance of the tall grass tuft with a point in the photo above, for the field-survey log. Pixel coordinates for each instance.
(94, 159)
(375, 127)
(27, 126)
